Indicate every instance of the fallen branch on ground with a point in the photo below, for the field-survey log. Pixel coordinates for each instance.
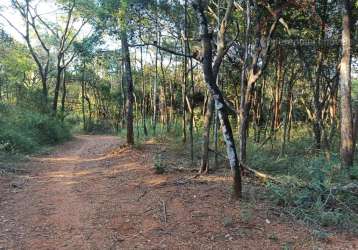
(164, 211)
(262, 176)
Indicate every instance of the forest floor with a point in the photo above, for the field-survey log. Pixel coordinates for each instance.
(93, 193)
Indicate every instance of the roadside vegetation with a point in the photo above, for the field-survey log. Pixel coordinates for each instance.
(25, 131)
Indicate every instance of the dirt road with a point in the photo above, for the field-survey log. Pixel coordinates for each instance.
(92, 194)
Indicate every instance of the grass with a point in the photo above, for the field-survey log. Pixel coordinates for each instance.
(311, 181)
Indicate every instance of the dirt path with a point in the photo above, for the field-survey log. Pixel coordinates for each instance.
(92, 194)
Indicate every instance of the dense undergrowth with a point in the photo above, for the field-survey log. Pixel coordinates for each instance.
(312, 186)
(27, 131)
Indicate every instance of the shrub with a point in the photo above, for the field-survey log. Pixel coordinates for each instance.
(325, 199)
(26, 131)
(158, 164)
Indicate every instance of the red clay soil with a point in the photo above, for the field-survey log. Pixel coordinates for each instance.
(93, 194)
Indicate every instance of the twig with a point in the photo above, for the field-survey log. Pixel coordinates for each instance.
(218, 153)
(251, 227)
(14, 170)
(142, 195)
(328, 196)
(269, 137)
(164, 211)
(149, 209)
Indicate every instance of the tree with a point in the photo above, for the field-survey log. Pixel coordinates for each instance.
(42, 60)
(65, 38)
(123, 14)
(347, 147)
(210, 70)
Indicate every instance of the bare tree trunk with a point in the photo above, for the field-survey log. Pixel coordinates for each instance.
(191, 125)
(333, 109)
(89, 122)
(155, 87)
(123, 93)
(58, 84)
(129, 82)
(278, 92)
(243, 121)
(286, 120)
(290, 109)
(83, 97)
(144, 94)
(216, 130)
(206, 136)
(163, 96)
(318, 126)
(355, 127)
(171, 97)
(347, 148)
(184, 101)
(64, 93)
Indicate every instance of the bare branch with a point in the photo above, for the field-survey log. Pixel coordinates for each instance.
(221, 48)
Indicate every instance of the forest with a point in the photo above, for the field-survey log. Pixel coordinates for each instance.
(249, 106)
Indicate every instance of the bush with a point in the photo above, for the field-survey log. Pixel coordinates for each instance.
(26, 131)
(327, 198)
(158, 164)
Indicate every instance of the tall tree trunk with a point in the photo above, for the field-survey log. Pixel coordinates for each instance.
(318, 126)
(83, 97)
(206, 136)
(143, 94)
(347, 148)
(216, 141)
(123, 93)
(163, 96)
(243, 121)
(44, 96)
(184, 101)
(278, 92)
(57, 85)
(191, 124)
(64, 94)
(129, 82)
(155, 87)
(89, 121)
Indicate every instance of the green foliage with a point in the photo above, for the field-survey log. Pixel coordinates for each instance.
(311, 182)
(321, 199)
(26, 131)
(158, 166)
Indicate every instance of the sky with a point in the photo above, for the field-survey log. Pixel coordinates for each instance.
(47, 9)
(50, 12)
